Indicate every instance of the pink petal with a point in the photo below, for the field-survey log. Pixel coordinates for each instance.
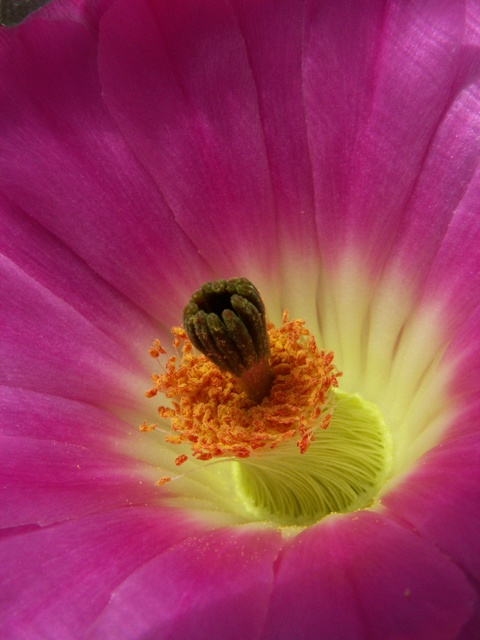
(440, 498)
(176, 77)
(463, 356)
(62, 459)
(277, 73)
(56, 581)
(472, 23)
(213, 586)
(470, 631)
(48, 346)
(377, 80)
(438, 241)
(455, 275)
(55, 267)
(65, 163)
(362, 576)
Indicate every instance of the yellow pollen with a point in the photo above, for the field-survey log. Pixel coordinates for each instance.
(210, 412)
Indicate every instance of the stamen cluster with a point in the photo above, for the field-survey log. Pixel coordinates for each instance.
(210, 412)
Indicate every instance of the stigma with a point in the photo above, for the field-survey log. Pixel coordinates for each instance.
(237, 385)
(226, 321)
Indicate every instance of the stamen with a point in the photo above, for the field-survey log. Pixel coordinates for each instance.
(209, 413)
(226, 321)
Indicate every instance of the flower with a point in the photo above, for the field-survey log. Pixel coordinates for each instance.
(328, 151)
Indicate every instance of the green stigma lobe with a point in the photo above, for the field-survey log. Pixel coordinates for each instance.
(225, 320)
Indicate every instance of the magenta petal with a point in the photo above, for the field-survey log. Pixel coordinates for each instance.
(56, 581)
(470, 631)
(377, 79)
(49, 346)
(439, 240)
(277, 71)
(65, 163)
(223, 579)
(62, 459)
(463, 353)
(59, 270)
(362, 576)
(177, 79)
(441, 498)
(455, 274)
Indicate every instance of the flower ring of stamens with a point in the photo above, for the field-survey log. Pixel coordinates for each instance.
(281, 465)
(216, 418)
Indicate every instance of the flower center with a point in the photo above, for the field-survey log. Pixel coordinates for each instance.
(264, 400)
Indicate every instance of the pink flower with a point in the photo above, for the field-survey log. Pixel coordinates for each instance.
(329, 152)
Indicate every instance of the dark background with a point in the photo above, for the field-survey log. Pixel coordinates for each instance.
(14, 11)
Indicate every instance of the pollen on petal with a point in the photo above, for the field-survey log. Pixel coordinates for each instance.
(147, 427)
(163, 480)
